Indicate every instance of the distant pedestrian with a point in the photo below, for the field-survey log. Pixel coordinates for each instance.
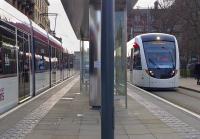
(197, 72)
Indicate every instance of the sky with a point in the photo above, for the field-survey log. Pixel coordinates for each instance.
(63, 26)
(144, 4)
(64, 29)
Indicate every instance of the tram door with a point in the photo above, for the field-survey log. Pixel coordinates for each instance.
(23, 65)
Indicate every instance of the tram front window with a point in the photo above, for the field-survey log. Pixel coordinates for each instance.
(160, 58)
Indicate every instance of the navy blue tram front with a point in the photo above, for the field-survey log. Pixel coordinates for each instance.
(155, 60)
(162, 60)
(160, 55)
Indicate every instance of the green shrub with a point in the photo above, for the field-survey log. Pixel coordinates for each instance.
(185, 73)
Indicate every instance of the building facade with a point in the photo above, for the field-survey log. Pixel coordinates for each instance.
(130, 5)
(34, 9)
(140, 21)
(40, 14)
(25, 6)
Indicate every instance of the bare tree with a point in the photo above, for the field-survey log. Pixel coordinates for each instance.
(181, 18)
(189, 12)
(165, 19)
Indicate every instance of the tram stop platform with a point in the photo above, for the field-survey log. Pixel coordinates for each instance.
(189, 83)
(64, 113)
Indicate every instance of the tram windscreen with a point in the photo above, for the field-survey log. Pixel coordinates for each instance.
(160, 54)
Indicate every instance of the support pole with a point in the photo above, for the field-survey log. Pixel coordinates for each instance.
(33, 58)
(107, 70)
(80, 67)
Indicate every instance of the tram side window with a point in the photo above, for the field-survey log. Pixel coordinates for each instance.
(58, 55)
(41, 56)
(8, 62)
(23, 52)
(137, 59)
(54, 59)
(65, 59)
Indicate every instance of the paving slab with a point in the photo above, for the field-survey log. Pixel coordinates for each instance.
(74, 119)
(189, 83)
(144, 136)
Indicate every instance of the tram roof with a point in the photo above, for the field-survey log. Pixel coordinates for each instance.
(154, 36)
(19, 20)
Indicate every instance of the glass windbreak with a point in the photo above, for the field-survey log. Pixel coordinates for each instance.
(160, 54)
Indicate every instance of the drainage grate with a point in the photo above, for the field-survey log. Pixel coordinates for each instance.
(184, 129)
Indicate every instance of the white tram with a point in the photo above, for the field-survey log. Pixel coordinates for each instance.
(31, 60)
(154, 61)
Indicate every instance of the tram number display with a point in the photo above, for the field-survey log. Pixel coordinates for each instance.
(1, 94)
(159, 42)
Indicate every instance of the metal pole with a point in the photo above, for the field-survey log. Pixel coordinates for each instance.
(124, 56)
(33, 58)
(80, 68)
(107, 70)
(49, 47)
(81, 65)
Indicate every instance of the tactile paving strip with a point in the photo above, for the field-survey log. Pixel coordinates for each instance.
(26, 125)
(182, 128)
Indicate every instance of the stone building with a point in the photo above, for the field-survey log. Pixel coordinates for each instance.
(34, 9)
(25, 6)
(40, 14)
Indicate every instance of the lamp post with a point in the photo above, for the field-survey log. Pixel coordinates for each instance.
(51, 14)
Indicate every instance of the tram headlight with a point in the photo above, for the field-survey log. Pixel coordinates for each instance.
(150, 72)
(173, 73)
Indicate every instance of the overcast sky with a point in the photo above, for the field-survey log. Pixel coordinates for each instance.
(144, 4)
(64, 29)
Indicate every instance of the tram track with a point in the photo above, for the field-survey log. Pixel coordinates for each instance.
(180, 98)
(169, 112)
(187, 99)
(189, 92)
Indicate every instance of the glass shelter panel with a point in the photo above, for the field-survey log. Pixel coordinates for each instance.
(120, 47)
(95, 52)
(85, 67)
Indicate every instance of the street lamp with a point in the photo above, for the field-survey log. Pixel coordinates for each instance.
(51, 14)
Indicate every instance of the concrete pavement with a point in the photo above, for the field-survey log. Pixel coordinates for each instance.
(64, 113)
(189, 83)
(70, 118)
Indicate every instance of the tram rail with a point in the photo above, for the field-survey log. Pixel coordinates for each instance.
(183, 99)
